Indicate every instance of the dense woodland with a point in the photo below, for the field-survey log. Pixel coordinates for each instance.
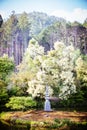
(17, 30)
(38, 50)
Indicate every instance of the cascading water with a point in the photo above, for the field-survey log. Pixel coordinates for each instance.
(47, 105)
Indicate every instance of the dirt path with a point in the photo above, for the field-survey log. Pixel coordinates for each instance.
(49, 116)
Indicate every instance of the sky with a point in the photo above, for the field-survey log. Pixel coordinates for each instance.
(71, 10)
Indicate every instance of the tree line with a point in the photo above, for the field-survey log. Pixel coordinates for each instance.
(18, 29)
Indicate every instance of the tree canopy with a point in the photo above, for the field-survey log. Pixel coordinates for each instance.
(55, 69)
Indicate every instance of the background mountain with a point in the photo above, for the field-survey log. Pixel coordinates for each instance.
(40, 21)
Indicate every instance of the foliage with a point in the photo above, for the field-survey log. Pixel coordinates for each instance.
(64, 124)
(85, 23)
(51, 34)
(81, 81)
(70, 33)
(81, 70)
(3, 95)
(3, 91)
(21, 103)
(23, 22)
(59, 68)
(40, 21)
(56, 69)
(17, 30)
(6, 66)
(23, 122)
(75, 23)
(28, 68)
(79, 99)
(9, 27)
(17, 90)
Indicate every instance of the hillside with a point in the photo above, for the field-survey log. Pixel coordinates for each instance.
(66, 32)
(40, 21)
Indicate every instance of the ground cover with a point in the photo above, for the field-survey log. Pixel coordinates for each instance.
(53, 119)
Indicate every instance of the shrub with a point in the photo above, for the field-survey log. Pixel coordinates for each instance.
(3, 95)
(21, 103)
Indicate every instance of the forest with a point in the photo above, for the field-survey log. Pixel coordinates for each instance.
(38, 50)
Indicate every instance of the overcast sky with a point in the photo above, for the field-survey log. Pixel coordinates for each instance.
(72, 10)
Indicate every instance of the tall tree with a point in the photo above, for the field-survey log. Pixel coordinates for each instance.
(55, 70)
(1, 21)
(9, 32)
(10, 26)
(23, 25)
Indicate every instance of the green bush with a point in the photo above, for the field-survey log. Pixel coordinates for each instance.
(3, 95)
(6, 67)
(21, 103)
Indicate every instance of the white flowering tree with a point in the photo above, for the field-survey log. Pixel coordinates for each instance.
(29, 67)
(55, 70)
